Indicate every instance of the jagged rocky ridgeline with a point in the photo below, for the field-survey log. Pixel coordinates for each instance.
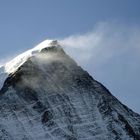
(49, 97)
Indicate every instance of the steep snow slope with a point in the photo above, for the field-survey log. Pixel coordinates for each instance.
(49, 97)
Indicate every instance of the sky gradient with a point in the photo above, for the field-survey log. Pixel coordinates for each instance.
(114, 23)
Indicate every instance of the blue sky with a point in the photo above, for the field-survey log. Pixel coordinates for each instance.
(115, 23)
(25, 23)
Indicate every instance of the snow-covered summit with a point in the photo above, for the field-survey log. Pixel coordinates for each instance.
(14, 64)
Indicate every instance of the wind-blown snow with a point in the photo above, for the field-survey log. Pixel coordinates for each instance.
(14, 64)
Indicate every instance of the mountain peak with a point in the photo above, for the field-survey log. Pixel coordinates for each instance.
(54, 43)
(15, 63)
(54, 47)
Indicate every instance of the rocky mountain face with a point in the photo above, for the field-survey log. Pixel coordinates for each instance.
(50, 97)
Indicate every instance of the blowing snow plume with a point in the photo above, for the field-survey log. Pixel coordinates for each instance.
(110, 53)
(102, 43)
